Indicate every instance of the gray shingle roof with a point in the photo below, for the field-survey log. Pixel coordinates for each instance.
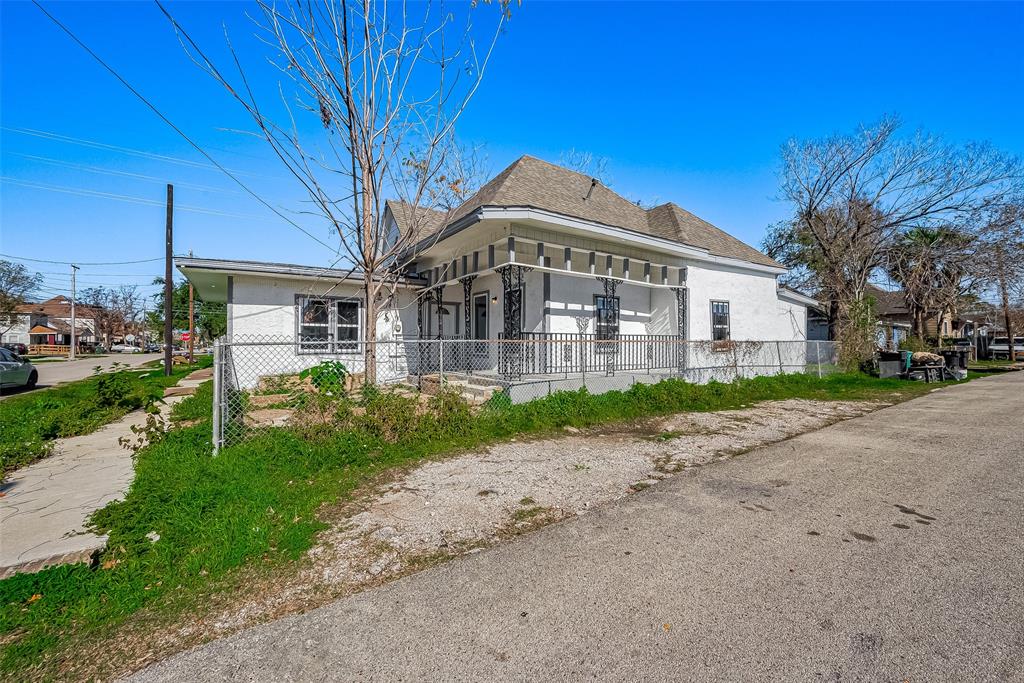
(423, 221)
(531, 182)
(676, 223)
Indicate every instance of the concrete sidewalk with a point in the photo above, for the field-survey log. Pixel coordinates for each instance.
(45, 506)
(886, 547)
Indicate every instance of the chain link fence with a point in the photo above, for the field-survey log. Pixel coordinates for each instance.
(267, 381)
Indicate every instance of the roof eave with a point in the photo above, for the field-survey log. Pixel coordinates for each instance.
(526, 212)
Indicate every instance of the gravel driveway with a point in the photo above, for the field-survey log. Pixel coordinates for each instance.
(886, 547)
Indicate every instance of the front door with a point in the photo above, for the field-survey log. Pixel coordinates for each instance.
(480, 316)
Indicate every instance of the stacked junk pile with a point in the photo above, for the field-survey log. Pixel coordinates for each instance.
(924, 366)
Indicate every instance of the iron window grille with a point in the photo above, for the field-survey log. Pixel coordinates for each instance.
(720, 324)
(606, 322)
(327, 325)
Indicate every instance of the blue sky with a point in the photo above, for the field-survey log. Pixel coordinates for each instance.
(689, 102)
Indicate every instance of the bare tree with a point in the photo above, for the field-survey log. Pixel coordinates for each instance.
(385, 88)
(113, 310)
(99, 303)
(586, 163)
(1002, 262)
(854, 195)
(16, 283)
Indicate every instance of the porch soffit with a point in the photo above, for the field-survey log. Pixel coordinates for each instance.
(526, 254)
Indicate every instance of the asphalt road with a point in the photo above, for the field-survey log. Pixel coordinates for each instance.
(888, 547)
(58, 372)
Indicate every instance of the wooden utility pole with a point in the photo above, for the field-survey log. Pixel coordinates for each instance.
(168, 285)
(74, 336)
(191, 321)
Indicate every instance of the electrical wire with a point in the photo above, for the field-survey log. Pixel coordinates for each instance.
(80, 263)
(126, 198)
(57, 137)
(124, 174)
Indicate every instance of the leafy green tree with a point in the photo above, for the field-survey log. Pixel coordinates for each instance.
(210, 317)
(16, 282)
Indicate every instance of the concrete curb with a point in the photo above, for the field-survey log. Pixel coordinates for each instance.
(88, 555)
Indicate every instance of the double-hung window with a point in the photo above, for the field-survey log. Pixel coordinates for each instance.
(719, 320)
(327, 324)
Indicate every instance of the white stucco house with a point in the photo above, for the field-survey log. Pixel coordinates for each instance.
(576, 275)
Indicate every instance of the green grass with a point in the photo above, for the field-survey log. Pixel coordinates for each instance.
(30, 422)
(991, 363)
(253, 508)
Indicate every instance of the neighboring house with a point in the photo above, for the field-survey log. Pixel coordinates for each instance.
(539, 253)
(17, 332)
(896, 322)
(49, 322)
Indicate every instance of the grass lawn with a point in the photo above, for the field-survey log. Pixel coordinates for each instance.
(253, 509)
(30, 422)
(990, 363)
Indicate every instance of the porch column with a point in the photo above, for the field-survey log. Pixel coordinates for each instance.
(681, 326)
(511, 350)
(419, 314)
(439, 294)
(467, 293)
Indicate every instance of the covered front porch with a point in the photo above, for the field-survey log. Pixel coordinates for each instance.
(587, 311)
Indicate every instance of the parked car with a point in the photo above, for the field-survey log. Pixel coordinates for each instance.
(1000, 347)
(16, 371)
(152, 348)
(131, 349)
(20, 349)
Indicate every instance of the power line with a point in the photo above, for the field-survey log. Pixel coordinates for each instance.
(126, 174)
(79, 263)
(56, 272)
(125, 198)
(180, 132)
(57, 137)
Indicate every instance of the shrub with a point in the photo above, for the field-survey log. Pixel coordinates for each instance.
(914, 344)
(449, 412)
(387, 415)
(116, 389)
(328, 377)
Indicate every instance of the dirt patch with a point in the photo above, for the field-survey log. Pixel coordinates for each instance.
(467, 502)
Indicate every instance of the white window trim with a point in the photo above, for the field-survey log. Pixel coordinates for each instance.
(332, 347)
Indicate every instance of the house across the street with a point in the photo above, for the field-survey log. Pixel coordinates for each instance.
(46, 325)
(571, 276)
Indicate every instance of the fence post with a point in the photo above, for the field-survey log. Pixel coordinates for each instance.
(217, 368)
(778, 351)
(817, 356)
(440, 362)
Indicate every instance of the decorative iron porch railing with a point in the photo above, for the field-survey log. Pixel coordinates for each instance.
(564, 353)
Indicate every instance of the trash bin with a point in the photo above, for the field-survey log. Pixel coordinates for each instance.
(890, 364)
(954, 358)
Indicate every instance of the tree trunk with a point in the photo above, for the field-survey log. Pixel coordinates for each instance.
(833, 320)
(370, 325)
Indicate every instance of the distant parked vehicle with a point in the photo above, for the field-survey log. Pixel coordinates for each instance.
(152, 348)
(1000, 347)
(131, 349)
(20, 349)
(16, 371)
